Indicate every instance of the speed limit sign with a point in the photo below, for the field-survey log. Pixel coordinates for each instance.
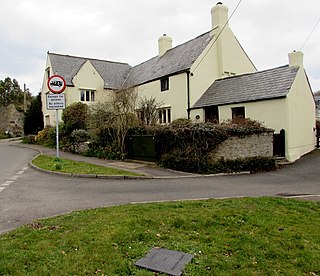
(56, 84)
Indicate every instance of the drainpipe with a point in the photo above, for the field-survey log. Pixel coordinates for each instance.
(188, 92)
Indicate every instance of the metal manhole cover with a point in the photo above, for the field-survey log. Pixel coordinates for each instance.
(163, 260)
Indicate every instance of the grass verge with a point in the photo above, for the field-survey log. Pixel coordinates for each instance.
(251, 236)
(68, 166)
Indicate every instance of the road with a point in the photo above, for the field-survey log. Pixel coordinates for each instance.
(30, 194)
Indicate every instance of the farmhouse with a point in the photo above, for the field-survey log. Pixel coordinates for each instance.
(209, 77)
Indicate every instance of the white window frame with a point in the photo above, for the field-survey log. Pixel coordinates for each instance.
(164, 115)
(87, 95)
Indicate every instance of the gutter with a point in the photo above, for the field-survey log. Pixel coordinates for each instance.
(188, 93)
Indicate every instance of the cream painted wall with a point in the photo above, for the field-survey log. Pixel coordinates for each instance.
(220, 56)
(301, 118)
(87, 78)
(271, 113)
(295, 114)
(204, 72)
(175, 97)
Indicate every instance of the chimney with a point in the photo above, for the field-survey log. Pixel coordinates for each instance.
(165, 44)
(296, 59)
(219, 15)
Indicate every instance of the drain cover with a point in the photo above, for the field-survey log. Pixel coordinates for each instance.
(164, 260)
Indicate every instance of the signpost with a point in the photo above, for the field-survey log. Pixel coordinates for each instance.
(56, 85)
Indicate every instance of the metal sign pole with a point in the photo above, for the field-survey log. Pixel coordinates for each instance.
(57, 132)
(56, 84)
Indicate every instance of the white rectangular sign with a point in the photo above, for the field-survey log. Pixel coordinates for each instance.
(56, 101)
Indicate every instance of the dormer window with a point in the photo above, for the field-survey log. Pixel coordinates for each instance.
(164, 84)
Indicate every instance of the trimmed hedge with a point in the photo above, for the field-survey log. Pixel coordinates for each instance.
(189, 164)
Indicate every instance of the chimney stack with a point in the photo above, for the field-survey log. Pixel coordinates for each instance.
(296, 59)
(165, 44)
(219, 15)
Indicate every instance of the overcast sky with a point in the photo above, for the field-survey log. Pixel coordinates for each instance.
(128, 30)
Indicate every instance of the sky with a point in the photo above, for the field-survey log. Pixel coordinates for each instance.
(128, 31)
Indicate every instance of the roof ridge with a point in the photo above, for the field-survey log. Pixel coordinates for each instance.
(91, 59)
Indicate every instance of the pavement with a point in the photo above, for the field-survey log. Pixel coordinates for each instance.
(147, 169)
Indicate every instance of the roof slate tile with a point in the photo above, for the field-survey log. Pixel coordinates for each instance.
(262, 85)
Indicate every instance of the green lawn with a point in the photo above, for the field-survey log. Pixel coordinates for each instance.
(64, 165)
(251, 236)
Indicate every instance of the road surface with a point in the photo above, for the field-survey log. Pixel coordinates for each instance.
(29, 194)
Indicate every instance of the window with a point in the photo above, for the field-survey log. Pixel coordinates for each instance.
(47, 120)
(164, 116)
(87, 95)
(212, 114)
(238, 112)
(48, 72)
(164, 84)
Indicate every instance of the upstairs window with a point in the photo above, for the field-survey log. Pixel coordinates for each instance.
(87, 95)
(164, 84)
(238, 112)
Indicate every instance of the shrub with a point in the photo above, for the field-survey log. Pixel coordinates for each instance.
(110, 151)
(74, 117)
(5, 135)
(29, 139)
(182, 162)
(46, 137)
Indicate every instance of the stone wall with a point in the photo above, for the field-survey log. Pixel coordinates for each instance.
(257, 145)
(11, 121)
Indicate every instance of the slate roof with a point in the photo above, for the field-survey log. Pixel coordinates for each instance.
(117, 75)
(113, 73)
(177, 59)
(263, 85)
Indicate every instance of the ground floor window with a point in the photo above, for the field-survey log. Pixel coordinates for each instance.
(212, 114)
(164, 115)
(87, 95)
(238, 112)
(47, 120)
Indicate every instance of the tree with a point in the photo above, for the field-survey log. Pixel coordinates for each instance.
(11, 93)
(124, 106)
(33, 120)
(108, 123)
(148, 111)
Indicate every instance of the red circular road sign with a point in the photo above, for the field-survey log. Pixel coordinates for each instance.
(56, 84)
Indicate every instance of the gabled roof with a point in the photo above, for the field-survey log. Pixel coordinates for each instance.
(263, 85)
(113, 73)
(116, 75)
(175, 60)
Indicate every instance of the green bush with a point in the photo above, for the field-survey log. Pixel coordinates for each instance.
(182, 162)
(46, 137)
(29, 139)
(74, 117)
(5, 135)
(110, 151)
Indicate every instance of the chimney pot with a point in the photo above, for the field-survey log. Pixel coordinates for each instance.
(165, 44)
(219, 15)
(296, 58)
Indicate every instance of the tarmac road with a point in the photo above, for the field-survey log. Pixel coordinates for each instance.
(31, 194)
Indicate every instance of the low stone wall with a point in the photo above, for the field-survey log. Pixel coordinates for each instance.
(256, 145)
